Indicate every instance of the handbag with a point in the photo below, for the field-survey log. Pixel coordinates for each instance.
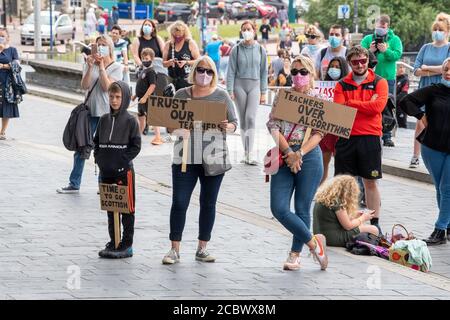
(273, 160)
(399, 236)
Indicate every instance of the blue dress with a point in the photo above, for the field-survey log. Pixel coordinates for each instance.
(7, 110)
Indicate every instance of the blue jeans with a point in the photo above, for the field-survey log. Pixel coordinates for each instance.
(183, 186)
(78, 163)
(305, 184)
(392, 86)
(438, 164)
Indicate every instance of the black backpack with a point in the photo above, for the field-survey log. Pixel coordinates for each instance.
(389, 121)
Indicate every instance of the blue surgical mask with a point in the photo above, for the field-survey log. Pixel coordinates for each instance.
(445, 82)
(147, 30)
(438, 36)
(2, 40)
(103, 51)
(313, 47)
(334, 73)
(381, 32)
(334, 42)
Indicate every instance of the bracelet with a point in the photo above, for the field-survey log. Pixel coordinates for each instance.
(287, 150)
(300, 153)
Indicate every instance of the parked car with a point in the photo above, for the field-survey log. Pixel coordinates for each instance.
(172, 11)
(264, 10)
(277, 3)
(240, 10)
(63, 28)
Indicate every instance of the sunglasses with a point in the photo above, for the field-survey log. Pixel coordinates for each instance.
(209, 72)
(358, 61)
(302, 72)
(311, 36)
(334, 34)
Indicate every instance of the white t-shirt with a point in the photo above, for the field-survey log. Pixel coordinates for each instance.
(99, 101)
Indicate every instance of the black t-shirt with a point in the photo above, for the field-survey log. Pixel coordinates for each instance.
(146, 78)
(265, 29)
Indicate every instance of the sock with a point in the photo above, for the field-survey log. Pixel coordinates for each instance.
(374, 221)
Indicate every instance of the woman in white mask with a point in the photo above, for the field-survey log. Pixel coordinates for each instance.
(148, 38)
(99, 72)
(428, 67)
(247, 84)
(203, 77)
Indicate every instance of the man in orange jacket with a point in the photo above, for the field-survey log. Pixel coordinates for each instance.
(361, 154)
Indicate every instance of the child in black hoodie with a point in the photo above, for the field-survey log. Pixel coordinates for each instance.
(117, 142)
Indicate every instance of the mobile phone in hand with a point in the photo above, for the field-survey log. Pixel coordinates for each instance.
(94, 49)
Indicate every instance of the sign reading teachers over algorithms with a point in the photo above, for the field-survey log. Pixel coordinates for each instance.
(114, 198)
(315, 113)
(181, 114)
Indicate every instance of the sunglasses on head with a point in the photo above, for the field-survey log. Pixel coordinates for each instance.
(302, 72)
(209, 72)
(311, 36)
(358, 61)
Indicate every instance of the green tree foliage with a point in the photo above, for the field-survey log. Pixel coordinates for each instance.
(410, 19)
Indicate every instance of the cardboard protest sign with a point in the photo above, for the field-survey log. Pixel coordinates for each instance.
(114, 198)
(314, 113)
(325, 88)
(181, 114)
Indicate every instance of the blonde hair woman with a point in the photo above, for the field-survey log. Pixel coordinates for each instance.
(99, 72)
(336, 212)
(179, 54)
(314, 38)
(203, 78)
(302, 173)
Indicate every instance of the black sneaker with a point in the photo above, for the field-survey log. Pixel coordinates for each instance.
(388, 143)
(436, 238)
(106, 253)
(145, 130)
(123, 251)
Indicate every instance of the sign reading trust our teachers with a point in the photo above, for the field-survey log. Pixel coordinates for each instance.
(314, 113)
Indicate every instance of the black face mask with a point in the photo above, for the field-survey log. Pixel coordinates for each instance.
(146, 63)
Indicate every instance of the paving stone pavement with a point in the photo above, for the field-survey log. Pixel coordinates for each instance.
(45, 238)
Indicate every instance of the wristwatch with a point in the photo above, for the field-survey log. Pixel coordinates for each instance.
(300, 152)
(287, 150)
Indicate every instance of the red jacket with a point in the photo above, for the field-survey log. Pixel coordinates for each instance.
(368, 117)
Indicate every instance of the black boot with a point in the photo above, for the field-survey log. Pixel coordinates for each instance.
(106, 253)
(437, 237)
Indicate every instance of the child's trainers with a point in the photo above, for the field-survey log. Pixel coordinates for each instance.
(171, 257)
(319, 253)
(106, 253)
(204, 256)
(292, 262)
(122, 251)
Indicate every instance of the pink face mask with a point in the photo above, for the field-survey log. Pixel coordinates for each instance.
(300, 81)
(179, 39)
(203, 79)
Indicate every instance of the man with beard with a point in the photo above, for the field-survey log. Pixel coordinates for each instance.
(360, 155)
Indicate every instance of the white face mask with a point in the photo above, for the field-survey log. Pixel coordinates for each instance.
(103, 51)
(248, 35)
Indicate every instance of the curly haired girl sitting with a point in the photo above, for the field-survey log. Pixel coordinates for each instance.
(336, 212)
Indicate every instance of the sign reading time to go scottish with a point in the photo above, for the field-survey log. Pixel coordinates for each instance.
(344, 11)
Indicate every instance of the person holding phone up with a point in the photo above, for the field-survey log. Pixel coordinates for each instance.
(336, 214)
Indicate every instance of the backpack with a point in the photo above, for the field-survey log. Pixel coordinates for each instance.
(388, 115)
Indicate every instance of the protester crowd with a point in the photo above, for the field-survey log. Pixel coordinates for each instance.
(239, 74)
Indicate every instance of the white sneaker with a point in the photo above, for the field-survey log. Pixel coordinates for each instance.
(204, 256)
(319, 253)
(292, 262)
(2, 136)
(171, 257)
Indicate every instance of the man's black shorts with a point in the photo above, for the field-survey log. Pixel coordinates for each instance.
(142, 109)
(359, 156)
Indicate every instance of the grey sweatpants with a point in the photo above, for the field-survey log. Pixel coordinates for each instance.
(247, 93)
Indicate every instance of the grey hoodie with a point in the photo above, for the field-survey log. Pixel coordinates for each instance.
(250, 63)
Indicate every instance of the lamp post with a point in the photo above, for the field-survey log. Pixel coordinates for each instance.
(355, 17)
(37, 27)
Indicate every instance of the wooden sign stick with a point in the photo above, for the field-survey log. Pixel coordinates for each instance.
(185, 154)
(307, 135)
(116, 229)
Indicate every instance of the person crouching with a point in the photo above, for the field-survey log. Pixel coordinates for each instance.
(117, 142)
